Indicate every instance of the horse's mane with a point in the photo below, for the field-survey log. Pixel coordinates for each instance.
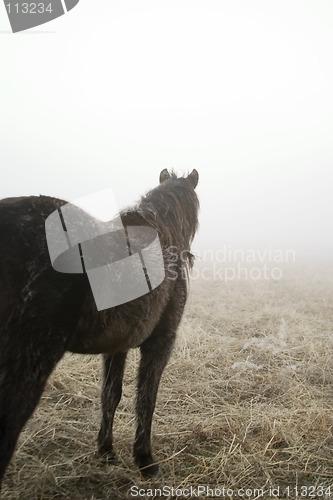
(172, 209)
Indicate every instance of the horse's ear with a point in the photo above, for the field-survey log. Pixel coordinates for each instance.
(164, 175)
(193, 178)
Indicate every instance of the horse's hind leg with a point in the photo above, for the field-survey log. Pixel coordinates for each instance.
(155, 353)
(111, 393)
(26, 361)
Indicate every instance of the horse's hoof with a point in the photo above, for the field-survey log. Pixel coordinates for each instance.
(152, 470)
(107, 457)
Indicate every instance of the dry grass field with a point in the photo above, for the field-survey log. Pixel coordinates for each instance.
(245, 402)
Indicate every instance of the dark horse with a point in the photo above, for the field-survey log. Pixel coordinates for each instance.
(44, 313)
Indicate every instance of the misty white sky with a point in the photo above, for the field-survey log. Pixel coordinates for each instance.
(114, 91)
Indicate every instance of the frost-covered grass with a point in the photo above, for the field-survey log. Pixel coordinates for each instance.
(245, 402)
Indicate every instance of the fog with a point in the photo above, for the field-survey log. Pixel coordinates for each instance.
(107, 96)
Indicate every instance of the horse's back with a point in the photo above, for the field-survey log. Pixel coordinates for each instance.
(22, 235)
(23, 247)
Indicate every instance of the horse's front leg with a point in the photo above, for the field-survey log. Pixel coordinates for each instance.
(114, 365)
(155, 353)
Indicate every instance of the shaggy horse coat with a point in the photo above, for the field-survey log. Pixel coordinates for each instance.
(44, 313)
